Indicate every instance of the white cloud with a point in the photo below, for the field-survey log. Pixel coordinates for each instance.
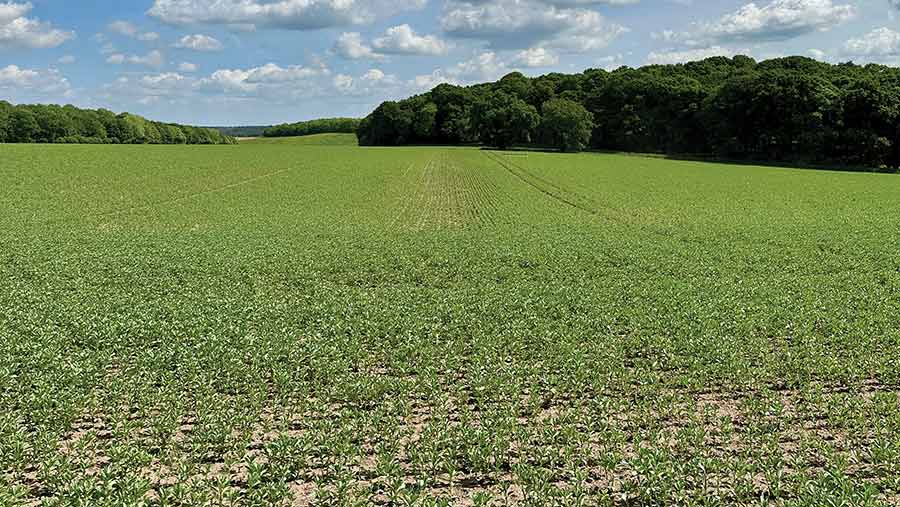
(127, 29)
(610, 62)
(777, 20)
(11, 11)
(228, 80)
(123, 28)
(152, 59)
(187, 67)
(374, 75)
(372, 82)
(152, 88)
(199, 42)
(818, 54)
(271, 73)
(404, 40)
(343, 82)
(575, 3)
(272, 86)
(536, 57)
(287, 14)
(167, 80)
(522, 24)
(425, 82)
(260, 79)
(16, 30)
(483, 67)
(691, 55)
(350, 45)
(67, 60)
(16, 82)
(878, 42)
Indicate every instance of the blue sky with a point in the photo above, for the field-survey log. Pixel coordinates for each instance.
(234, 62)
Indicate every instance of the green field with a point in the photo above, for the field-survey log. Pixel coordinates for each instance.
(314, 140)
(279, 324)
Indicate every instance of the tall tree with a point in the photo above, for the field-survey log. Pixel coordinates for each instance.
(503, 120)
(566, 124)
(23, 126)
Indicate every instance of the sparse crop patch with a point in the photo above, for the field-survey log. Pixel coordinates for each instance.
(302, 325)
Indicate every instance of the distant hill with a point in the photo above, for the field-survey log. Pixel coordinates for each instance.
(310, 140)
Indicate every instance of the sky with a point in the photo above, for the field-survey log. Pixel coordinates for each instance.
(260, 62)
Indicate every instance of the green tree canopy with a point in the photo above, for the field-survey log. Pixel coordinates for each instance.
(69, 124)
(320, 126)
(23, 126)
(566, 124)
(792, 109)
(503, 120)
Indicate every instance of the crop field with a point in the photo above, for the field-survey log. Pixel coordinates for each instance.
(288, 324)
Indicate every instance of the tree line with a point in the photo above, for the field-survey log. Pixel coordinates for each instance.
(242, 130)
(793, 109)
(320, 126)
(31, 123)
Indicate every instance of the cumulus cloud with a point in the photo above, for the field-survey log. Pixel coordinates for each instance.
(19, 83)
(610, 62)
(690, 55)
(777, 20)
(343, 82)
(166, 80)
(271, 73)
(123, 28)
(152, 88)
(375, 75)
(269, 83)
(818, 54)
(287, 14)
(187, 67)
(522, 24)
(152, 59)
(878, 42)
(130, 30)
(425, 82)
(404, 40)
(536, 57)
(17, 30)
(372, 82)
(258, 79)
(66, 60)
(350, 45)
(199, 42)
(573, 3)
(486, 66)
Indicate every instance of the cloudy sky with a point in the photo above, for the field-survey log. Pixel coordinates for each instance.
(230, 62)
